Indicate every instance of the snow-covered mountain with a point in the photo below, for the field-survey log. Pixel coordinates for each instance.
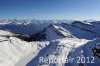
(28, 26)
(24, 42)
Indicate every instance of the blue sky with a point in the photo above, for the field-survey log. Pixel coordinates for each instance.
(50, 9)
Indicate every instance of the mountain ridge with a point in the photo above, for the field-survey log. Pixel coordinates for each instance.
(56, 40)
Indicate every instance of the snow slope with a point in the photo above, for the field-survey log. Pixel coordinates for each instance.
(49, 40)
(13, 49)
(60, 48)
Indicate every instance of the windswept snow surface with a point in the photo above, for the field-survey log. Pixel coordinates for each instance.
(13, 50)
(60, 48)
(77, 42)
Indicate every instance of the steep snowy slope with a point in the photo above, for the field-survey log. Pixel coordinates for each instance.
(13, 49)
(52, 32)
(96, 28)
(80, 30)
(57, 32)
(91, 27)
(92, 48)
(87, 54)
(53, 40)
(60, 48)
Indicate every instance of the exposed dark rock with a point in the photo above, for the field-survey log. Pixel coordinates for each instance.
(96, 51)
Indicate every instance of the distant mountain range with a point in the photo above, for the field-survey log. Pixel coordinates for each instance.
(23, 42)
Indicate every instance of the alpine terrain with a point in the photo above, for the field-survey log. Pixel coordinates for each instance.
(49, 43)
